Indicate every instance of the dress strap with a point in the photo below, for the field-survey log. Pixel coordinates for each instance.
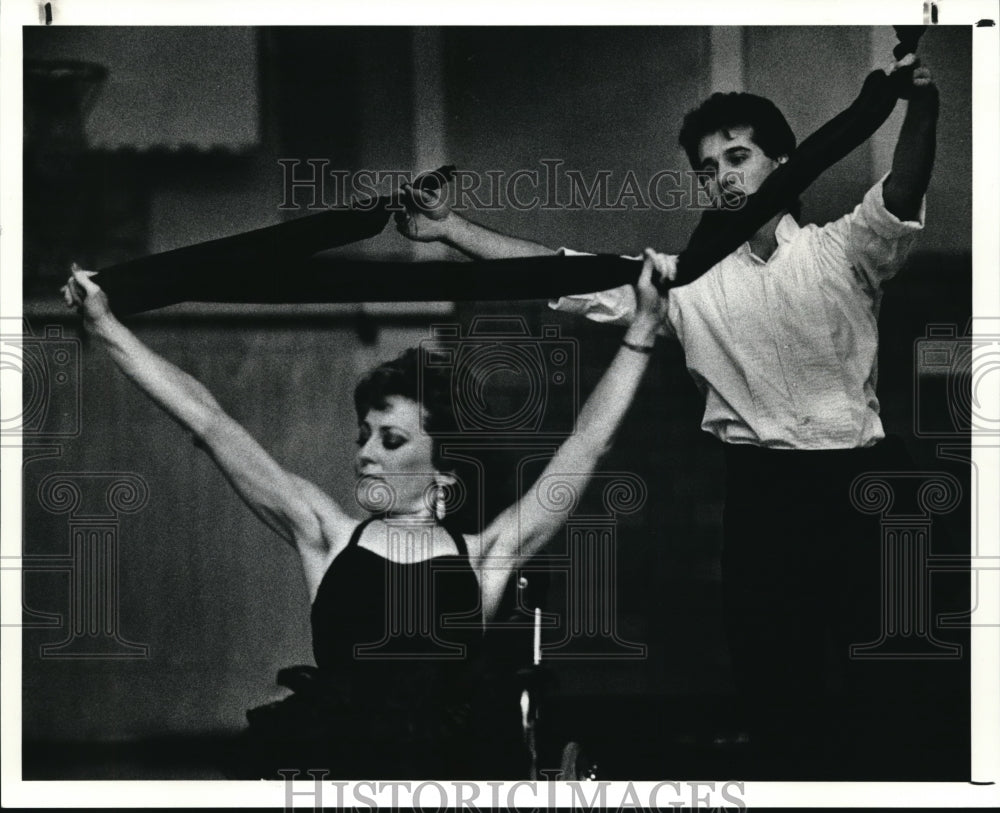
(458, 538)
(359, 528)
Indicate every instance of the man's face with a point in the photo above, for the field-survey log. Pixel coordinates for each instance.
(733, 165)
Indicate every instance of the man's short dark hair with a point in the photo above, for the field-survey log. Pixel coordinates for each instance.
(726, 111)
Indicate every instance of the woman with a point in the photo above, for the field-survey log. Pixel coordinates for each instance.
(400, 600)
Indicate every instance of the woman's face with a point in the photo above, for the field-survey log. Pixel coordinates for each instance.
(395, 462)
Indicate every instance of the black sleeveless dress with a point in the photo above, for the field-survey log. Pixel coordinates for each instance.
(401, 689)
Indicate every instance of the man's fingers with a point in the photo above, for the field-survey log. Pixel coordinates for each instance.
(434, 180)
(905, 62)
(421, 197)
(428, 199)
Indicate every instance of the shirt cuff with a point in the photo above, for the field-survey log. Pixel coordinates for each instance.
(883, 222)
(616, 306)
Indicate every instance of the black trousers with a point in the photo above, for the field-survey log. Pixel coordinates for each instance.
(801, 572)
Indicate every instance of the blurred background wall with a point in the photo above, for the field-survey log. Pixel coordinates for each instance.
(181, 143)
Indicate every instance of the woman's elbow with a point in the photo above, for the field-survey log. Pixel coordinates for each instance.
(209, 424)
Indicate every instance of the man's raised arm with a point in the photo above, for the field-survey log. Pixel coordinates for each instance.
(913, 159)
(429, 218)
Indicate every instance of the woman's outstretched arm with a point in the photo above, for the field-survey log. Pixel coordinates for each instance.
(297, 510)
(525, 527)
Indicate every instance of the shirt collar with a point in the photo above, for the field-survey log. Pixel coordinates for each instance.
(784, 232)
(787, 229)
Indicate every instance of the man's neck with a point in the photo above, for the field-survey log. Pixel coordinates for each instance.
(765, 242)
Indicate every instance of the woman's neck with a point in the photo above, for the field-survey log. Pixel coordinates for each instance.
(421, 517)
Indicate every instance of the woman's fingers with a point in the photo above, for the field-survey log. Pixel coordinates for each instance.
(77, 292)
(663, 265)
(83, 279)
(648, 263)
(73, 295)
(78, 287)
(666, 265)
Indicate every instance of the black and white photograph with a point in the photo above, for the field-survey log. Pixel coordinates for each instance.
(543, 409)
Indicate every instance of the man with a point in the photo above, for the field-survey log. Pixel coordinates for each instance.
(781, 338)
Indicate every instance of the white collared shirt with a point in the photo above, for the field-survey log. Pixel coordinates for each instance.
(785, 352)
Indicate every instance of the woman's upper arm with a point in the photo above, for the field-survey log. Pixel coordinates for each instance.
(521, 530)
(299, 511)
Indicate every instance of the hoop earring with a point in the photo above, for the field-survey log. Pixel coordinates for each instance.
(439, 505)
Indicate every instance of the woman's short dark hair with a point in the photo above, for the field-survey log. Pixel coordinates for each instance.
(725, 111)
(406, 376)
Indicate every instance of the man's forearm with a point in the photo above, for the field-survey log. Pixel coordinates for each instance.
(913, 158)
(481, 243)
